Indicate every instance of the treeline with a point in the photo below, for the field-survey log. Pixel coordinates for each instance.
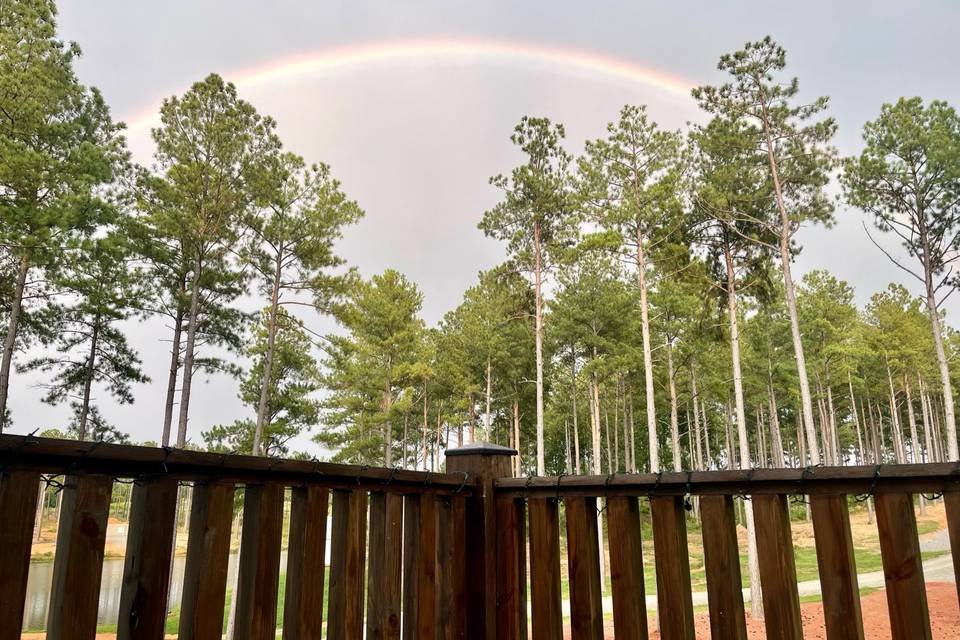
(647, 317)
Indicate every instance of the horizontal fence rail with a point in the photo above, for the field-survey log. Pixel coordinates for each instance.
(896, 478)
(68, 457)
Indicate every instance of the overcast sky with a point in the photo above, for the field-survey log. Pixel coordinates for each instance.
(415, 138)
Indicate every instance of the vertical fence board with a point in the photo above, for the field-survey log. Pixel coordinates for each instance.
(837, 565)
(259, 579)
(427, 568)
(778, 571)
(345, 615)
(78, 563)
(208, 553)
(146, 570)
(583, 566)
(411, 561)
(303, 599)
(951, 503)
(672, 560)
(902, 567)
(626, 567)
(384, 565)
(19, 491)
(721, 558)
(444, 567)
(547, 622)
(376, 566)
(458, 571)
(511, 569)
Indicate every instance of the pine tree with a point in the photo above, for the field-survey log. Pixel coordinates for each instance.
(91, 346)
(798, 162)
(631, 182)
(60, 151)
(535, 219)
(292, 251)
(212, 148)
(908, 179)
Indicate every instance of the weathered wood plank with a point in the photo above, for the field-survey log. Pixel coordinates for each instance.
(146, 570)
(384, 565)
(951, 503)
(456, 626)
(208, 553)
(838, 567)
(511, 569)
(547, 614)
(427, 569)
(259, 577)
(78, 563)
(303, 600)
(671, 556)
(902, 567)
(19, 491)
(583, 566)
(626, 572)
(722, 564)
(411, 562)
(345, 616)
(778, 572)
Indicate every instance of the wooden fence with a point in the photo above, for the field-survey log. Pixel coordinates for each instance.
(418, 555)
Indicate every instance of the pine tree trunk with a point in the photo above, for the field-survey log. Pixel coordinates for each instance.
(912, 422)
(172, 377)
(566, 443)
(674, 420)
(927, 440)
(426, 428)
(786, 228)
(486, 418)
(708, 463)
(10, 339)
(654, 445)
(895, 430)
(516, 434)
(776, 440)
(267, 376)
(934, 313)
(538, 340)
(189, 355)
(695, 399)
(576, 426)
(88, 379)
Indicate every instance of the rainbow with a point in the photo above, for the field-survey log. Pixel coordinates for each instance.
(443, 50)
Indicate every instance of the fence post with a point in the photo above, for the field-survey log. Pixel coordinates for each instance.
(485, 463)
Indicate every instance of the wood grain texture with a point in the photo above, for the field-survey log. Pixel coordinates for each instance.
(347, 545)
(411, 561)
(451, 565)
(303, 599)
(384, 566)
(951, 503)
(672, 559)
(146, 570)
(78, 563)
(19, 492)
(902, 567)
(511, 569)
(583, 567)
(626, 572)
(427, 569)
(547, 614)
(259, 577)
(721, 558)
(205, 571)
(778, 572)
(838, 567)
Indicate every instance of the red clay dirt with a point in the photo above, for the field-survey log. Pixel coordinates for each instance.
(941, 601)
